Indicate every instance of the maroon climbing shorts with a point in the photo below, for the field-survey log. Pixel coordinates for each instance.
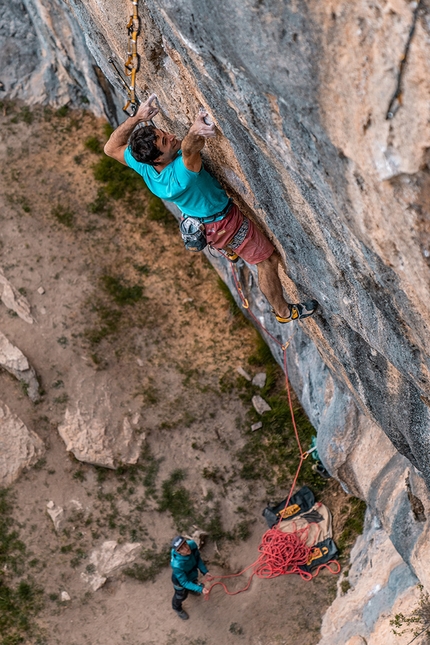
(253, 247)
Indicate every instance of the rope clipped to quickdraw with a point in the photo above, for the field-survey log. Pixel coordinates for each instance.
(132, 64)
(280, 553)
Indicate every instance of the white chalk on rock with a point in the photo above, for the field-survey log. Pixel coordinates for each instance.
(259, 379)
(64, 596)
(242, 372)
(260, 405)
(41, 291)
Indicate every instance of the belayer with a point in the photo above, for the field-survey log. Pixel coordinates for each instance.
(186, 563)
(173, 170)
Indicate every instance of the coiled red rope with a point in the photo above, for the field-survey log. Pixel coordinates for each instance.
(280, 553)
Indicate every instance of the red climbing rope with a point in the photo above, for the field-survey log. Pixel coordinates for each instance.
(284, 347)
(280, 553)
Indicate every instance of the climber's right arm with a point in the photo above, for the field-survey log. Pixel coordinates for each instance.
(194, 142)
(118, 140)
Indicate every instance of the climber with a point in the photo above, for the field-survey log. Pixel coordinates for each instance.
(186, 564)
(173, 170)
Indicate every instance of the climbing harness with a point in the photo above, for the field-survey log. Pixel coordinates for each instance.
(132, 64)
(283, 553)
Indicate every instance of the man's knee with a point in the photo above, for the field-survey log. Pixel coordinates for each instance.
(270, 264)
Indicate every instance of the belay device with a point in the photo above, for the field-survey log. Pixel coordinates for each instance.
(193, 234)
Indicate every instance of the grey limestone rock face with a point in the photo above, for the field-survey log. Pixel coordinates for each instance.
(44, 58)
(381, 585)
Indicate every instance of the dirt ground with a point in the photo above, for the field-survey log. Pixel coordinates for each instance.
(169, 356)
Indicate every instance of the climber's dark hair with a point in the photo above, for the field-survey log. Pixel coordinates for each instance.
(142, 145)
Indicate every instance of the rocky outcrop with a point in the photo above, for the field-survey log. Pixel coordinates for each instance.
(109, 559)
(60, 515)
(57, 515)
(20, 447)
(14, 361)
(95, 432)
(45, 59)
(14, 300)
(378, 585)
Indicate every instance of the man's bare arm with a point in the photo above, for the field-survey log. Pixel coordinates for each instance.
(194, 142)
(117, 143)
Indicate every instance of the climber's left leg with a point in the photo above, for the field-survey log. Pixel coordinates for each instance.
(239, 234)
(271, 286)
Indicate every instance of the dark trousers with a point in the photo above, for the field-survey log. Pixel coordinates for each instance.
(180, 594)
(178, 598)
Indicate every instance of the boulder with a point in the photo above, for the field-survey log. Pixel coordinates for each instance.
(57, 515)
(256, 426)
(20, 447)
(92, 433)
(259, 379)
(260, 405)
(14, 361)
(14, 300)
(243, 373)
(109, 559)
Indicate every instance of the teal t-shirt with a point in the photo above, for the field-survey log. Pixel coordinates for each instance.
(196, 194)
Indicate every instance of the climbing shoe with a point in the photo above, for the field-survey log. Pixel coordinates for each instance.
(299, 311)
(182, 614)
(322, 472)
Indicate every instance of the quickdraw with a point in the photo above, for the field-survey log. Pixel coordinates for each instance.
(132, 64)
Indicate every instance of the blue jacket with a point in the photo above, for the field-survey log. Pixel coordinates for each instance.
(186, 568)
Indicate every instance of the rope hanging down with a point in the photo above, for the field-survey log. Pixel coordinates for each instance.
(132, 64)
(280, 553)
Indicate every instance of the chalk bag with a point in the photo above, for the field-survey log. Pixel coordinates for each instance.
(193, 234)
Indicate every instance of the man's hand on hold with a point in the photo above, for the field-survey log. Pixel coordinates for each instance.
(147, 110)
(195, 140)
(207, 577)
(201, 128)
